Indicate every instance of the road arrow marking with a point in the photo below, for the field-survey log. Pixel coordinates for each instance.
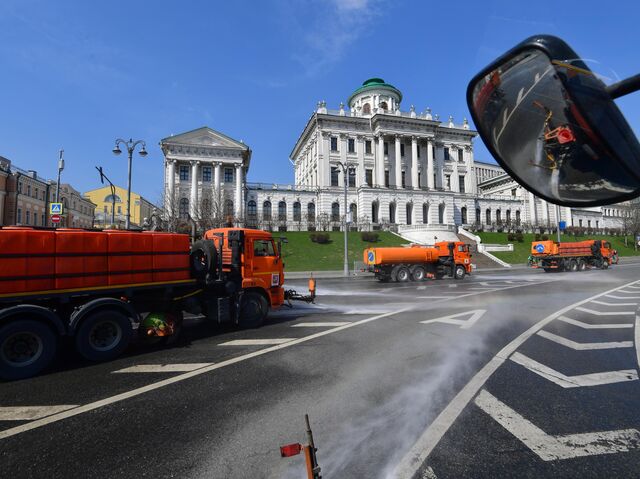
(581, 380)
(29, 413)
(319, 324)
(604, 303)
(549, 447)
(580, 324)
(583, 346)
(475, 315)
(603, 313)
(163, 368)
(256, 342)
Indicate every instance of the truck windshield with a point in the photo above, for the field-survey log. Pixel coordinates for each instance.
(263, 248)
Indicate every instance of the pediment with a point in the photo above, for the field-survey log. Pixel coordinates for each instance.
(204, 137)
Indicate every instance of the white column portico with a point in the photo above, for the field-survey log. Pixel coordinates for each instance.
(398, 164)
(430, 183)
(216, 177)
(238, 191)
(171, 187)
(455, 183)
(439, 165)
(193, 200)
(414, 163)
(380, 162)
(533, 216)
(360, 177)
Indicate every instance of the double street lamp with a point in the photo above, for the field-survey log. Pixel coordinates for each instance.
(130, 145)
(346, 167)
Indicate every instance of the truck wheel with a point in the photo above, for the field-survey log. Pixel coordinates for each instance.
(418, 273)
(203, 259)
(103, 335)
(26, 348)
(253, 310)
(573, 266)
(605, 264)
(582, 265)
(459, 272)
(403, 275)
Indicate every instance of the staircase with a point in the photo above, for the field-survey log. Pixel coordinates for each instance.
(481, 260)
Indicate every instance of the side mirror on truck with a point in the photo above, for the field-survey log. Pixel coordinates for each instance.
(552, 124)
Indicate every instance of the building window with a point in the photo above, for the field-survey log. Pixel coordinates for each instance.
(334, 143)
(488, 217)
(508, 213)
(498, 217)
(478, 214)
(252, 209)
(20, 187)
(448, 181)
(311, 212)
(418, 150)
(383, 105)
(335, 212)
(228, 175)
(463, 215)
(43, 195)
(401, 149)
(588, 221)
(36, 195)
(334, 176)
(282, 211)
(19, 216)
(386, 178)
(367, 147)
(374, 212)
(597, 224)
(368, 173)
(28, 217)
(352, 145)
(435, 181)
(266, 211)
(460, 155)
(404, 179)
(419, 179)
(297, 211)
(514, 192)
(461, 183)
(28, 190)
(183, 208)
(106, 210)
(206, 173)
(409, 212)
(119, 210)
(517, 217)
(44, 220)
(366, 109)
(579, 221)
(386, 148)
(446, 154)
(184, 173)
(352, 177)
(441, 208)
(392, 212)
(353, 211)
(425, 213)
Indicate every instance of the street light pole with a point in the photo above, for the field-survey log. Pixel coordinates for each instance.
(130, 145)
(60, 168)
(113, 195)
(558, 221)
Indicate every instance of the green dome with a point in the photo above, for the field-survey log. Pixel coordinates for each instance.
(375, 84)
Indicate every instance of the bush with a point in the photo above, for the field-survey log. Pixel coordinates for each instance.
(320, 238)
(519, 237)
(545, 238)
(511, 237)
(369, 236)
(537, 237)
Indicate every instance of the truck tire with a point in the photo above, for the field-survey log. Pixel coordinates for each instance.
(582, 265)
(253, 310)
(459, 272)
(403, 274)
(26, 348)
(573, 266)
(103, 335)
(203, 259)
(418, 273)
(605, 264)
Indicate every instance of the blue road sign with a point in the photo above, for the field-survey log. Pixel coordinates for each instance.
(370, 256)
(562, 225)
(540, 248)
(55, 209)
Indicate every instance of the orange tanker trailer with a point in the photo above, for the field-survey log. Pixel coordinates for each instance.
(572, 256)
(418, 262)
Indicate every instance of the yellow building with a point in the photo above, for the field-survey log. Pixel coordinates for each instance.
(140, 208)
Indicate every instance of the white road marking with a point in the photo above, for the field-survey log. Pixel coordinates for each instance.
(583, 346)
(627, 292)
(256, 342)
(483, 289)
(580, 324)
(437, 297)
(319, 324)
(428, 473)
(603, 313)
(637, 339)
(421, 287)
(552, 448)
(604, 303)
(622, 297)
(474, 316)
(429, 439)
(29, 413)
(580, 380)
(163, 368)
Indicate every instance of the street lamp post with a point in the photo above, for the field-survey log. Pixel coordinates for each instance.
(345, 174)
(113, 195)
(131, 145)
(60, 168)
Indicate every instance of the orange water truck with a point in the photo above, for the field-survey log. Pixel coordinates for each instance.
(572, 256)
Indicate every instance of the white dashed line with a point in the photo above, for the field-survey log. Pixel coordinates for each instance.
(580, 380)
(319, 324)
(256, 342)
(580, 324)
(549, 447)
(163, 368)
(583, 346)
(29, 413)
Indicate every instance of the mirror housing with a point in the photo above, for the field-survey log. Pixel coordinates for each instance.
(551, 124)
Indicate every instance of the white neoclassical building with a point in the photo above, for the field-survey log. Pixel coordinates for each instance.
(402, 169)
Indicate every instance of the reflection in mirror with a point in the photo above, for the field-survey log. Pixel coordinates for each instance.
(528, 110)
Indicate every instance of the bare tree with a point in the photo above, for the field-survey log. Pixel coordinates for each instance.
(630, 222)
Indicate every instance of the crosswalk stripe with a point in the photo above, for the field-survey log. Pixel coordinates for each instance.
(163, 368)
(256, 342)
(581, 380)
(319, 324)
(603, 313)
(583, 346)
(604, 303)
(29, 413)
(580, 324)
(621, 297)
(549, 447)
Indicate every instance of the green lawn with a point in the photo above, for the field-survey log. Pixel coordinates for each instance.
(522, 250)
(301, 254)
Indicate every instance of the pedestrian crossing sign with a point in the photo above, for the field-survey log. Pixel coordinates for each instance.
(55, 209)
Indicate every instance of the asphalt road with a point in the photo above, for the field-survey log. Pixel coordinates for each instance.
(437, 379)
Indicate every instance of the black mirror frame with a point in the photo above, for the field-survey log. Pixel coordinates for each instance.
(556, 49)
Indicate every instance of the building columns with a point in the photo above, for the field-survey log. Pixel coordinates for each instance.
(455, 180)
(216, 178)
(415, 184)
(193, 201)
(360, 177)
(170, 206)
(379, 179)
(439, 165)
(238, 202)
(430, 183)
(470, 178)
(398, 164)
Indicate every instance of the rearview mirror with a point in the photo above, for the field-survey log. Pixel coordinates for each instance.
(551, 123)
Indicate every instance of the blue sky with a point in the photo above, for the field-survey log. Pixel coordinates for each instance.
(78, 74)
